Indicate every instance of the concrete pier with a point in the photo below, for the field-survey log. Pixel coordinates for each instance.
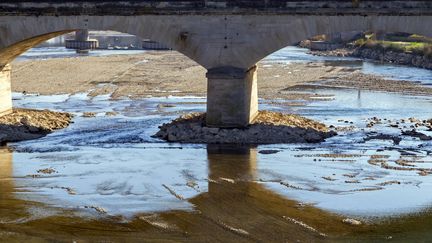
(5, 90)
(232, 97)
(82, 43)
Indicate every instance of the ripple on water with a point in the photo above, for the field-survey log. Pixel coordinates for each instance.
(113, 163)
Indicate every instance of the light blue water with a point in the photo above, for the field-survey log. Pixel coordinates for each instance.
(58, 52)
(296, 54)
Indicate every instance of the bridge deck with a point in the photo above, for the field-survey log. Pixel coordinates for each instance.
(140, 7)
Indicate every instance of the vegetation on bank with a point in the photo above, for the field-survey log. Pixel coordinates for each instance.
(414, 44)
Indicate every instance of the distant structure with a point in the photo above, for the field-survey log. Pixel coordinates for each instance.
(335, 40)
(82, 43)
(85, 40)
(153, 45)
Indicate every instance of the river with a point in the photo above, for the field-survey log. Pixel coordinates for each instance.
(108, 169)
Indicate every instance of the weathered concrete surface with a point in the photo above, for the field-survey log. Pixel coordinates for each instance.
(210, 40)
(5, 91)
(108, 7)
(232, 97)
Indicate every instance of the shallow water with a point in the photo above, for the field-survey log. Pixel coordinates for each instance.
(110, 166)
(295, 54)
(59, 52)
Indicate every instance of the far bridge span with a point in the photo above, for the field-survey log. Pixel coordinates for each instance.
(226, 37)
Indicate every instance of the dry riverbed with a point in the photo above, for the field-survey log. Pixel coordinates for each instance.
(152, 73)
(171, 73)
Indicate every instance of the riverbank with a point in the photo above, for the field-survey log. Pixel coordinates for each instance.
(383, 54)
(26, 124)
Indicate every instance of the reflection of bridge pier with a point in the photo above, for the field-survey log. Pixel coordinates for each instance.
(82, 43)
(236, 206)
(228, 163)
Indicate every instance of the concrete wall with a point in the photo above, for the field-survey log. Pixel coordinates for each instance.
(5, 91)
(232, 97)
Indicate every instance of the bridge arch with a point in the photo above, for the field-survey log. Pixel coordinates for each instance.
(17, 36)
(227, 45)
(305, 27)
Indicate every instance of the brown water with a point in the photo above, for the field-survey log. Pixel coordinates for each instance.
(236, 207)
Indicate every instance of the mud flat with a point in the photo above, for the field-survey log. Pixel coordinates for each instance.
(267, 128)
(26, 124)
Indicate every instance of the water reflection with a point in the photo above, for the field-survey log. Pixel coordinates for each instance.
(7, 186)
(237, 206)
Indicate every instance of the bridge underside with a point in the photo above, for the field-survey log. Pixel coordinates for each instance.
(228, 46)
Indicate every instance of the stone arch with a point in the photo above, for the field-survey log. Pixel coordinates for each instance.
(304, 27)
(18, 34)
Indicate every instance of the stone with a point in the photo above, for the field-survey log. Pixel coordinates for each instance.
(289, 129)
(351, 221)
(270, 151)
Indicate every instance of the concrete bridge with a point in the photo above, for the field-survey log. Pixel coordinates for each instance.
(226, 37)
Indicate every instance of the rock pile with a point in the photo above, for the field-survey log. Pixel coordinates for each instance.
(25, 124)
(268, 127)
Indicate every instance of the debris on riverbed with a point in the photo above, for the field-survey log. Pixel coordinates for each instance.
(111, 113)
(97, 209)
(47, 171)
(269, 127)
(304, 225)
(396, 140)
(269, 151)
(89, 114)
(414, 133)
(352, 221)
(26, 124)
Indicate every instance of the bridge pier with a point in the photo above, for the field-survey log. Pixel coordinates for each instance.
(82, 43)
(232, 97)
(5, 90)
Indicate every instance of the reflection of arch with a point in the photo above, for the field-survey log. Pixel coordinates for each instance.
(11, 208)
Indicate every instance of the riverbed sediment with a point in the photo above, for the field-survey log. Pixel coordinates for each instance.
(267, 128)
(26, 124)
(156, 74)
